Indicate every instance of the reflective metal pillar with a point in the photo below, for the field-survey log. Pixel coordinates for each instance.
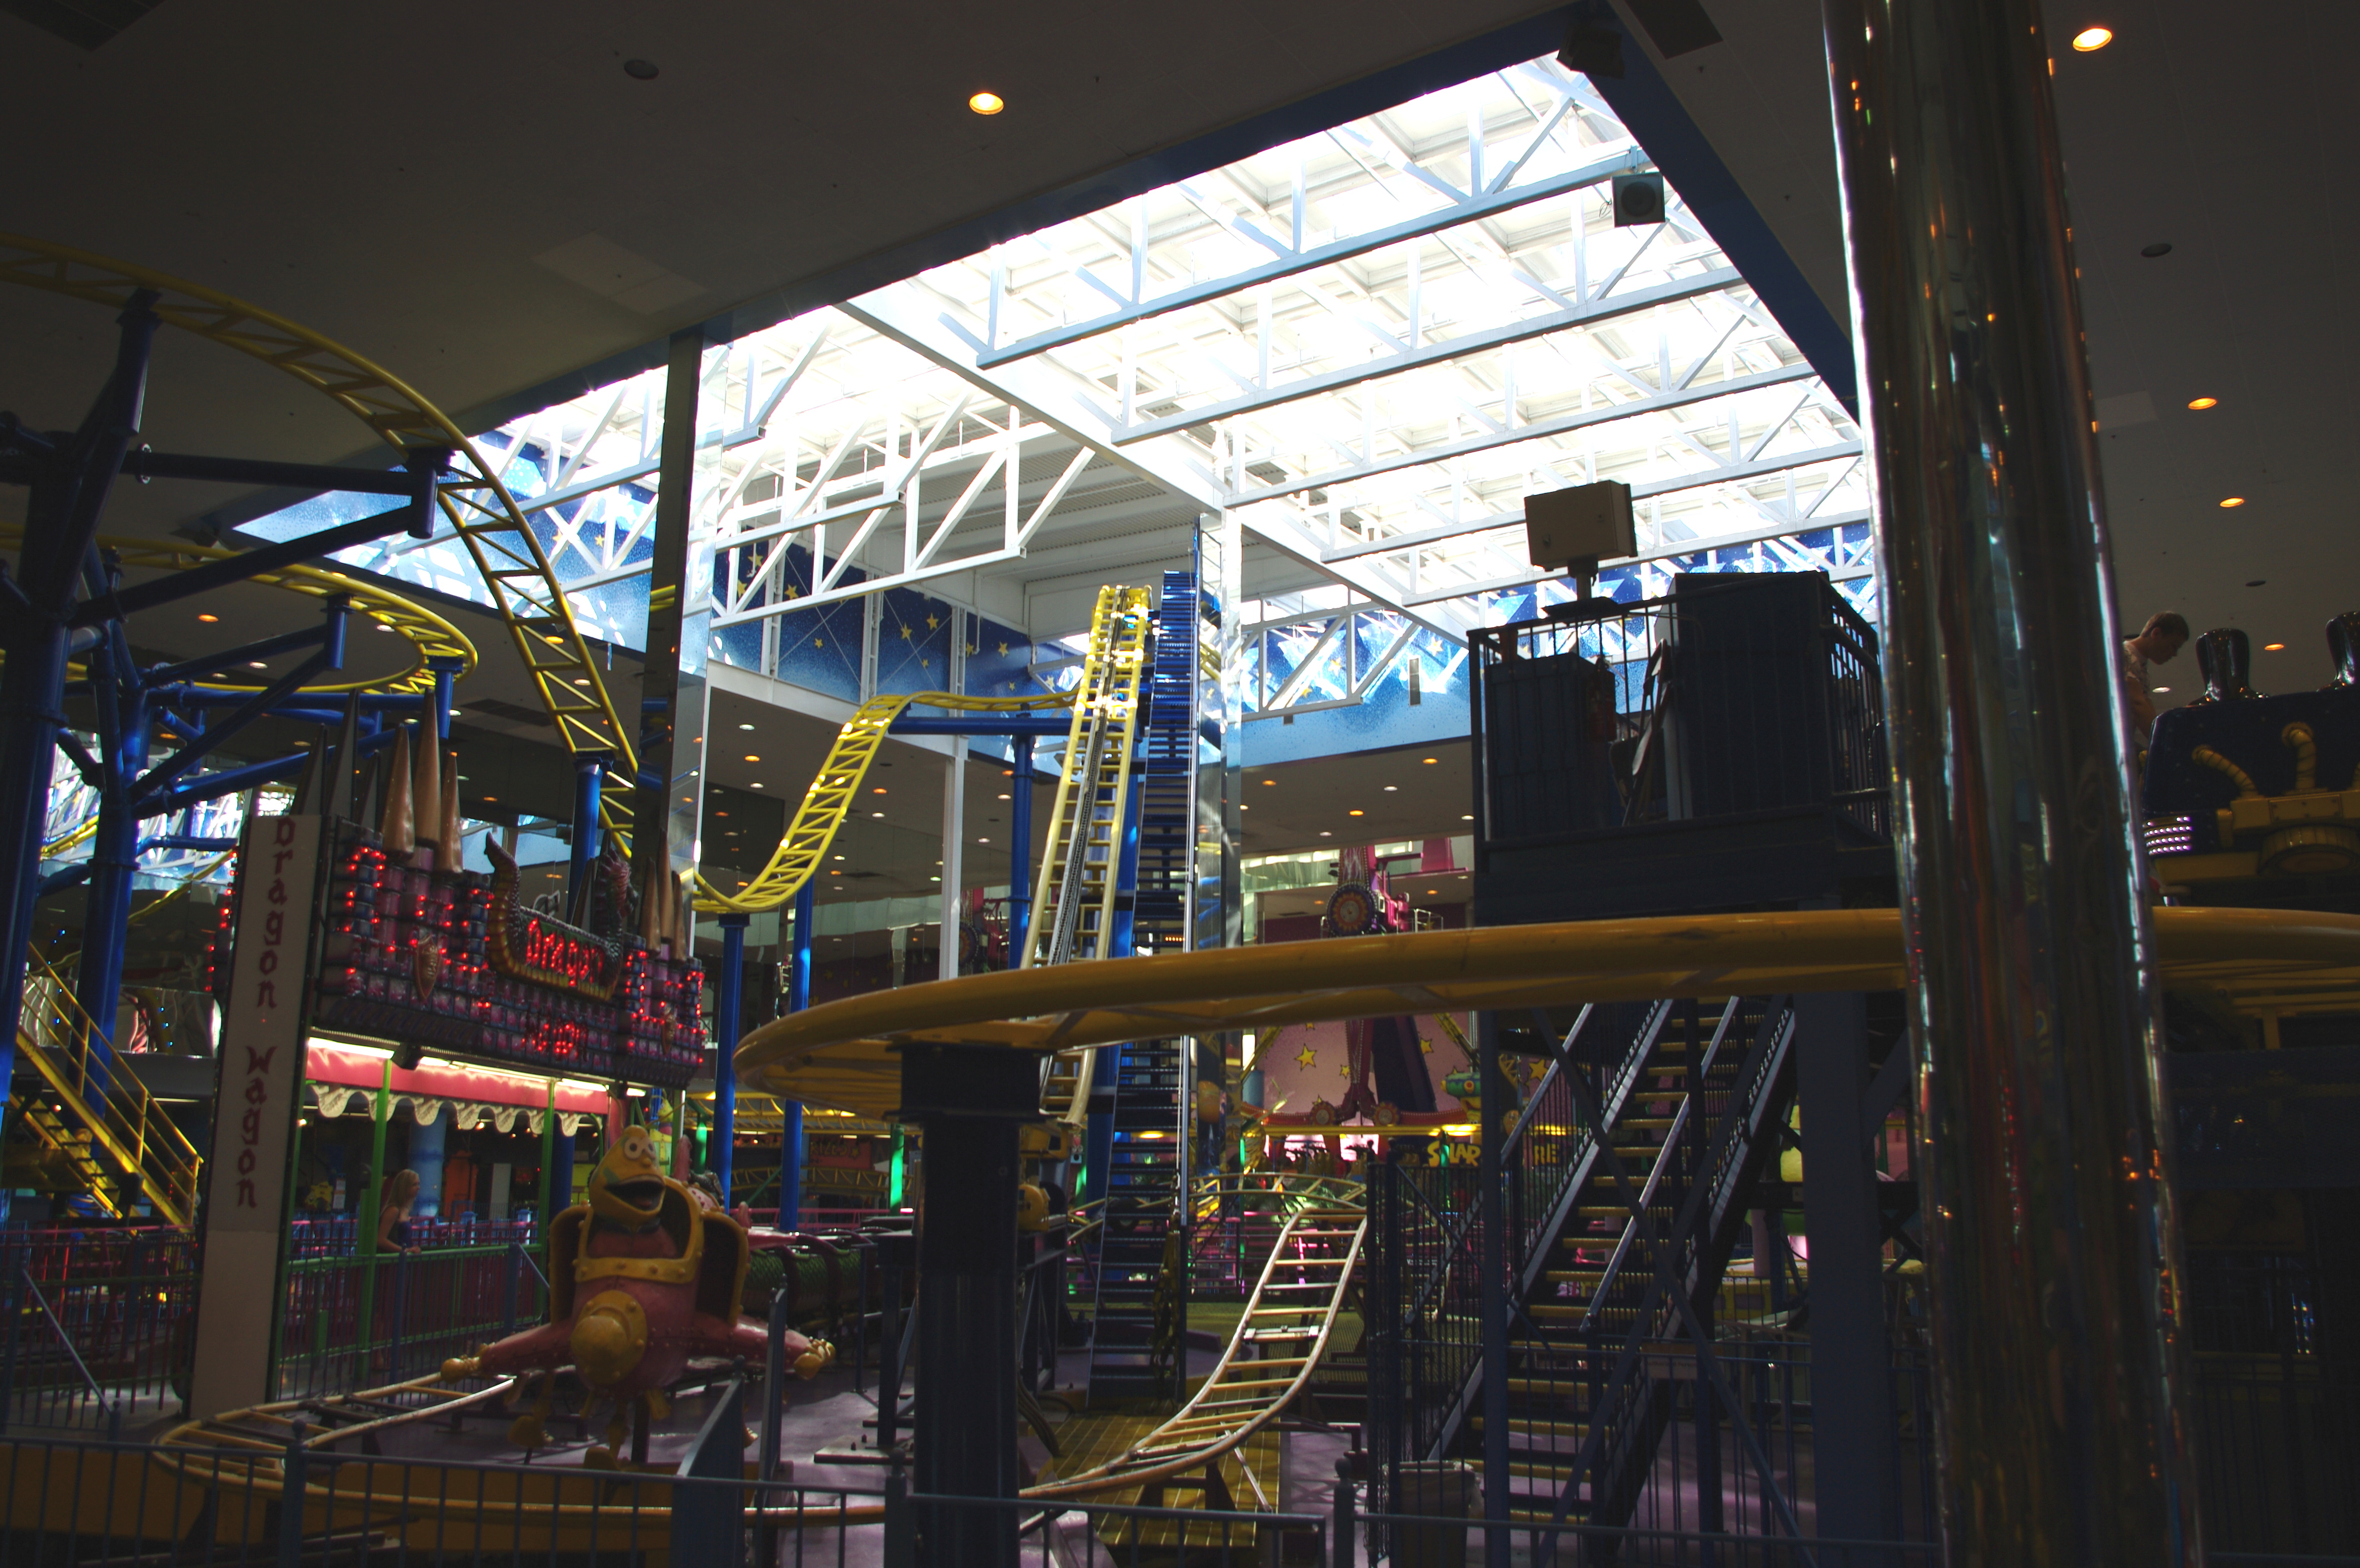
(2055, 1289)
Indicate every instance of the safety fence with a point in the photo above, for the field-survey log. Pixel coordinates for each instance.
(341, 1235)
(352, 1322)
(96, 1334)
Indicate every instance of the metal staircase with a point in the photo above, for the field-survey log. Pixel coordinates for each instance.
(1628, 1178)
(1634, 1255)
(1146, 1174)
(89, 1117)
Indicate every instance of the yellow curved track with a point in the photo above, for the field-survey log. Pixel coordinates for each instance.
(825, 805)
(846, 1054)
(474, 500)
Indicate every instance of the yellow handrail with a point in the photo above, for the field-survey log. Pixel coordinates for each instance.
(53, 1033)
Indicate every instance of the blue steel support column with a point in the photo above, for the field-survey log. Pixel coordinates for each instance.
(2051, 1269)
(790, 1140)
(115, 847)
(728, 1006)
(1020, 853)
(445, 672)
(589, 770)
(60, 517)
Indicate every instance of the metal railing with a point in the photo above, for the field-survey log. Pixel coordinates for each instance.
(356, 1322)
(97, 1324)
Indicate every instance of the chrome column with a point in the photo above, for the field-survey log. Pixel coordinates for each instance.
(2052, 1266)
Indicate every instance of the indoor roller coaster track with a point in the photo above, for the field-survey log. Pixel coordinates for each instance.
(481, 513)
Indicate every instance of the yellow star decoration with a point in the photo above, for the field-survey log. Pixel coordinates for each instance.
(905, 634)
(1424, 1046)
(1003, 650)
(932, 621)
(1306, 1056)
(819, 642)
(1343, 1069)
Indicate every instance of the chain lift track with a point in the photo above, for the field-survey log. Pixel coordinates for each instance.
(525, 592)
(1081, 862)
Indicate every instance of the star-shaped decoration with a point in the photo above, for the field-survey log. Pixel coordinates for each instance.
(1424, 1046)
(905, 634)
(819, 642)
(1003, 649)
(932, 621)
(1306, 1056)
(1343, 1069)
(925, 664)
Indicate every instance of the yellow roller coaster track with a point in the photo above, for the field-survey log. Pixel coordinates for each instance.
(829, 800)
(846, 1054)
(516, 571)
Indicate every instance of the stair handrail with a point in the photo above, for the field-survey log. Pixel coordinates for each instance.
(114, 1409)
(154, 1152)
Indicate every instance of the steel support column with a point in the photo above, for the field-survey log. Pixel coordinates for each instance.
(946, 954)
(790, 1146)
(728, 1006)
(1020, 843)
(969, 1099)
(1491, 1137)
(589, 774)
(60, 517)
(2053, 1284)
(1852, 1399)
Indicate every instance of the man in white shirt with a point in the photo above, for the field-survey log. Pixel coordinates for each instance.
(2165, 632)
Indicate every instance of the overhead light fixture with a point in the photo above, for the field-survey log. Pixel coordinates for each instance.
(983, 840)
(1391, 789)
(2162, 689)
(255, 664)
(755, 784)
(2090, 39)
(751, 757)
(838, 857)
(987, 103)
(2232, 501)
(876, 813)
(385, 626)
(1325, 834)
(208, 619)
(1005, 798)
(490, 798)
(745, 727)
(1466, 817)
(2200, 404)
(2272, 647)
(1429, 760)
(1269, 781)
(1356, 811)
(878, 790)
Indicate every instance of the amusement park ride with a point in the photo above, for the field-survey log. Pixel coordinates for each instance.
(1057, 1096)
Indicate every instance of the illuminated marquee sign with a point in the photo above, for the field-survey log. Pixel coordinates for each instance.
(453, 962)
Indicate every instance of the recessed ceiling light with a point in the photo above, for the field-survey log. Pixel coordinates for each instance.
(255, 664)
(983, 840)
(2232, 501)
(878, 790)
(1429, 760)
(1269, 781)
(1007, 797)
(489, 798)
(745, 727)
(1433, 892)
(2272, 647)
(1325, 834)
(1356, 811)
(876, 813)
(2200, 404)
(640, 69)
(1391, 788)
(385, 626)
(2160, 247)
(720, 813)
(2257, 582)
(2163, 688)
(1466, 817)
(757, 784)
(840, 856)
(2091, 39)
(987, 103)
(581, 680)
(751, 757)
(208, 619)
(835, 873)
